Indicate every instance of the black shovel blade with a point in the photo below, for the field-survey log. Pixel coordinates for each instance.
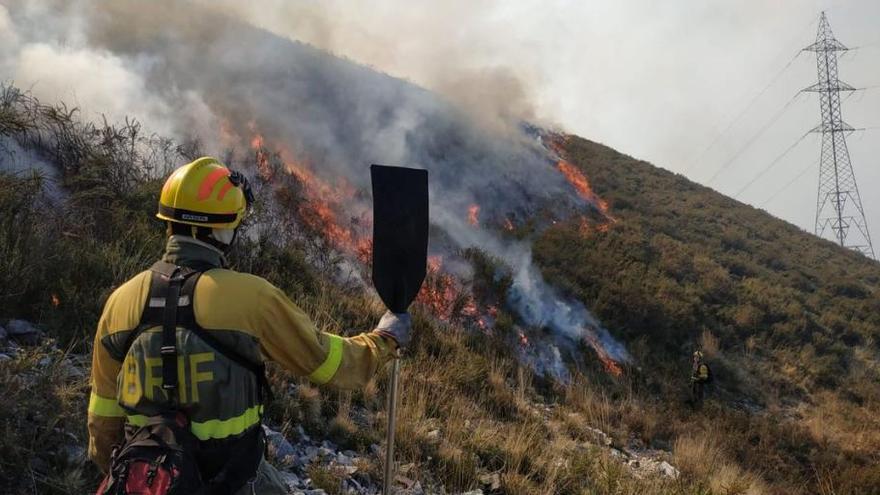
(400, 233)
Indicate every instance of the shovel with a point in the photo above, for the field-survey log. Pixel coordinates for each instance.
(400, 252)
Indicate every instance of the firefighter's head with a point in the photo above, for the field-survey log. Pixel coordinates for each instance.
(205, 200)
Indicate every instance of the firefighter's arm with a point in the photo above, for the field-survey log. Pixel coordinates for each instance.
(289, 337)
(106, 418)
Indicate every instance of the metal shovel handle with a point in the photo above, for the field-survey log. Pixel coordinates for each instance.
(392, 425)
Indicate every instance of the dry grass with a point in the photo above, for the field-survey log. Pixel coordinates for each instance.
(703, 458)
(709, 344)
(42, 425)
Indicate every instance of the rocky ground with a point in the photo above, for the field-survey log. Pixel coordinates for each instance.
(308, 463)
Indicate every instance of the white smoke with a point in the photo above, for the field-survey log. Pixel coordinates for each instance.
(184, 70)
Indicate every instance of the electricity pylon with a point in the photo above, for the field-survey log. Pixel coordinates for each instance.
(838, 205)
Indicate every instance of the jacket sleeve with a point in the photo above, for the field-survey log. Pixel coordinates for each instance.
(106, 418)
(289, 337)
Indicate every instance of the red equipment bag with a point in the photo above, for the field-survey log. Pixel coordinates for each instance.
(156, 459)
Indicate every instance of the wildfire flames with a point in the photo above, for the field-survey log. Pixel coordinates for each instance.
(473, 215)
(324, 205)
(610, 365)
(326, 208)
(581, 185)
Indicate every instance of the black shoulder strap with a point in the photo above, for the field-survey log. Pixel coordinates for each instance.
(187, 319)
(169, 335)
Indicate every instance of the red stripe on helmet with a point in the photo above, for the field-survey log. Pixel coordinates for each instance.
(223, 190)
(208, 183)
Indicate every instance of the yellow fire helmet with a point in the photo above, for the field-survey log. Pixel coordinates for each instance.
(205, 193)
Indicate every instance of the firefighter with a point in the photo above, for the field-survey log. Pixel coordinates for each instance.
(701, 376)
(227, 323)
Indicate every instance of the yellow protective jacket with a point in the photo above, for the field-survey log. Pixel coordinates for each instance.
(222, 399)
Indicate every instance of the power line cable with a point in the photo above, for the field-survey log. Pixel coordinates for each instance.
(755, 137)
(782, 189)
(771, 165)
(742, 113)
(754, 99)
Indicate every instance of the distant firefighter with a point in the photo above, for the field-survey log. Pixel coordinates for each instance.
(701, 376)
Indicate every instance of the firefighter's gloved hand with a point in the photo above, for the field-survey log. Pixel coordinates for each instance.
(395, 326)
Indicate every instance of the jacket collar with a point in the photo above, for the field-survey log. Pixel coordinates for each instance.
(187, 251)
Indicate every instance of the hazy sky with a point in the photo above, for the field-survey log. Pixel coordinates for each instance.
(657, 80)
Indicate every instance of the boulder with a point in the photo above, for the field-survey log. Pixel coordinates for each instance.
(23, 332)
(280, 450)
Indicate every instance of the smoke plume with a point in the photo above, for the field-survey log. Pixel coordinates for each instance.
(193, 71)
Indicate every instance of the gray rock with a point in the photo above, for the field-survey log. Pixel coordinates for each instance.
(316, 491)
(308, 456)
(280, 450)
(3, 334)
(599, 437)
(668, 470)
(302, 434)
(21, 327)
(23, 332)
(325, 452)
(4, 357)
(291, 480)
(472, 492)
(343, 459)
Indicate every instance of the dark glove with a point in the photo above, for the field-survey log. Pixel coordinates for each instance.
(395, 326)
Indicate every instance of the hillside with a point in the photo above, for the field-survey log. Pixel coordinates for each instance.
(790, 322)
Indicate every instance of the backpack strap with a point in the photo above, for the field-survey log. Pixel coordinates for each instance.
(187, 319)
(170, 380)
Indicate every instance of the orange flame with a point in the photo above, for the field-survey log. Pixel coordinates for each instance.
(611, 366)
(55, 300)
(473, 214)
(324, 204)
(439, 291)
(577, 179)
(508, 225)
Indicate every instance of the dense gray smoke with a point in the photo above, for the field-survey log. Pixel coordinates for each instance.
(187, 70)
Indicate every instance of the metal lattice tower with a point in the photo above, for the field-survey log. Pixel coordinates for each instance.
(838, 206)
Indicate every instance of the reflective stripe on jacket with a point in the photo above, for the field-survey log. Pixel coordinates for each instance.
(244, 312)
